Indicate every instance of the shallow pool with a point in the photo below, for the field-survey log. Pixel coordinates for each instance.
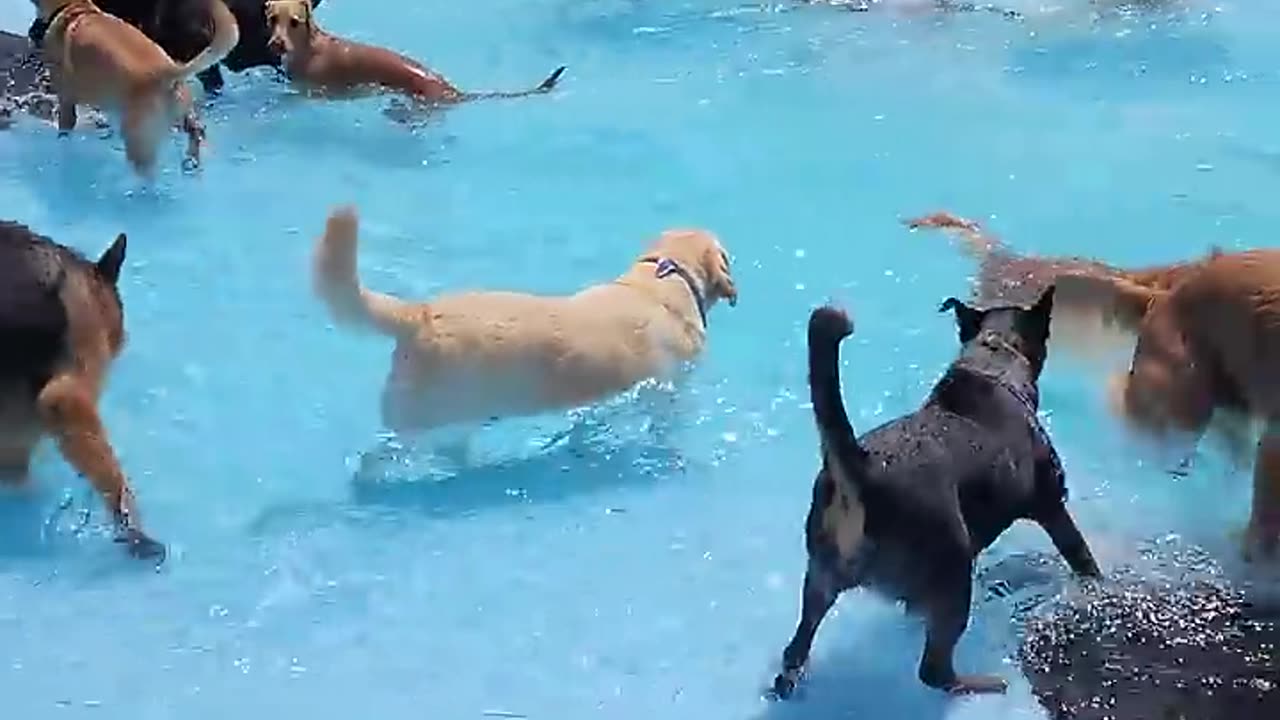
(607, 575)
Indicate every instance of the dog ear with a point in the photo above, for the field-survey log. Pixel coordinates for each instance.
(1042, 311)
(968, 320)
(109, 264)
(1033, 323)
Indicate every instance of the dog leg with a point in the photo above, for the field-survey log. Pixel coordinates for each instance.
(1262, 539)
(191, 125)
(1066, 537)
(819, 596)
(139, 141)
(195, 139)
(70, 415)
(946, 618)
(66, 116)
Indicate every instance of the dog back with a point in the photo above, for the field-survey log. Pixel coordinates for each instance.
(33, 317)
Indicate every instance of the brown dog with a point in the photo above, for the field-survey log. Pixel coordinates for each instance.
(483, 355)
(61, 325)
(97, 59)
(327, 65)
(1208, 344)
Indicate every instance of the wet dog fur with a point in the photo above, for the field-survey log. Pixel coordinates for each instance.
(61, 327)
(906, 508)
(326, 65)
(97, 59)
(1208, 343)
(183, 28)
(477, 356)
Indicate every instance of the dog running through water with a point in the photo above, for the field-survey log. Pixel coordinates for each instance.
(907, 508)
(1207, 351)
(476, 356)
(326, 65)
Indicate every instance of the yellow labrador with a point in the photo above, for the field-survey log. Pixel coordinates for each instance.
(478, 356)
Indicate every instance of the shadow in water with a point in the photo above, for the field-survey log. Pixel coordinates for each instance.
(870, 676)
(624, 445)
(581, 463)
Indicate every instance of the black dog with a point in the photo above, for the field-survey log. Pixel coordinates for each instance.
(907, 508)
(182, 28)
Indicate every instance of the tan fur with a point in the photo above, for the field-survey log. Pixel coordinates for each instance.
(480, 355)
(1207, 344)
(66, 407)
(97, 59)
(329, 65)
(844, 519)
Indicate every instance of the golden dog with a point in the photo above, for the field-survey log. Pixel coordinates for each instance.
(61, 326)
(1208, 345)
(483, 355)
(324, 64)
(97, 59)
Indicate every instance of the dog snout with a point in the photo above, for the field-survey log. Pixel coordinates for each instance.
(277, 45)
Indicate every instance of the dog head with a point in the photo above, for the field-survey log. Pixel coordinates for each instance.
(1005, 333)
(700, 253)
(291, 24)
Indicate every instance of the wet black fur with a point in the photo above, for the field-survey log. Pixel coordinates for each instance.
(33, 317)
(938, 485)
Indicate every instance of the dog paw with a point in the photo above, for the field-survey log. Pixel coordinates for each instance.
(784, 685)
(977, 685)
(143, 548)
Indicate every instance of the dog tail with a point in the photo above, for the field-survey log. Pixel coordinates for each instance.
(828, 326)
(226, 35)
(976, 243)
(542, 88)
(337, 283)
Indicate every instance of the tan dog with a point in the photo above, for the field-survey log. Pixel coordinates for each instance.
(97, 59)
(61, 326)
(483, 355)
(327, 65)
(1208, 345)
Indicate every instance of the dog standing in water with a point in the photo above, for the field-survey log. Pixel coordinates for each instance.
(100, 60)
(1208, 347)
(326, 65)
(476, 356)
(906, 508)
(61, 326)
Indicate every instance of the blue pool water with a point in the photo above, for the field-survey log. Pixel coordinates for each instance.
(611, 575)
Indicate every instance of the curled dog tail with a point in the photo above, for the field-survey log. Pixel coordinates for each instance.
(543, 87)
(828, 326)
(338, 285)
(976, 243)
(226, 35)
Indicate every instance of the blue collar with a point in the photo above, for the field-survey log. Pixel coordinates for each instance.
(667, 267)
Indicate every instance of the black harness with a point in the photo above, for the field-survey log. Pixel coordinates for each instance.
(667, 267)
(40, 26)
